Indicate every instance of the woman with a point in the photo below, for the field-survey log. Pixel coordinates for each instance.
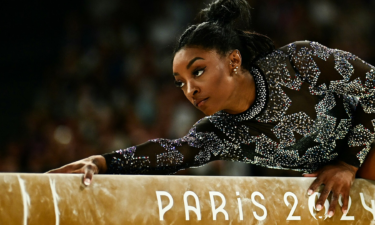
(303, 107)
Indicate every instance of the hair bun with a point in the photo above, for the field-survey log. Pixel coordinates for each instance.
(226, 12)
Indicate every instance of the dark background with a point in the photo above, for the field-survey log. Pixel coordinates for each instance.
(87, 77)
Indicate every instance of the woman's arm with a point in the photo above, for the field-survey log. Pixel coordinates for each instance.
(158, 156)
(338, 73)
(367, 169)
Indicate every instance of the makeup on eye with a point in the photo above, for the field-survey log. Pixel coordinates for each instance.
(199, 72)
(196, 73)
(179, 84)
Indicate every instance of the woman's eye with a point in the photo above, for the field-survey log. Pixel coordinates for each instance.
(197, 73)
(179, 84)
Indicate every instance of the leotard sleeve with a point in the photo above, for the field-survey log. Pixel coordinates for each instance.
(164, 156)
(338, 72)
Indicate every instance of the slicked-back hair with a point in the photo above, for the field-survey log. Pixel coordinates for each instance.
(225, 26)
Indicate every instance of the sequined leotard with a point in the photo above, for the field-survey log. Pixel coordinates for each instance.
(313, 105)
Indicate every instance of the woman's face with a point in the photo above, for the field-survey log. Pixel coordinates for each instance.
(205, 78)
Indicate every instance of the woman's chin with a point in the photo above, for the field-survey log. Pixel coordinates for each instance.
(208, 112)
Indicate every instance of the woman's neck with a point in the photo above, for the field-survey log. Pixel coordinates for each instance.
(243, 95)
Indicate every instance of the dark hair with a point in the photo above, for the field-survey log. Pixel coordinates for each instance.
(225, 26)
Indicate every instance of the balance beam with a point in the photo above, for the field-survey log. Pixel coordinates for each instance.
(139, 199)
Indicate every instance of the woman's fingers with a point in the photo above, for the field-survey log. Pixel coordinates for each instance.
(90, 170)
(332, 206)
(317, 182)
(336, 178)
(88, 173)
(84, 166)
(70, 168)
(53, 171)
(88, 166)
(63, 169)
(345, 201)
(323, 197)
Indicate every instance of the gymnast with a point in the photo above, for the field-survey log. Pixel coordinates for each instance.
(303, 107)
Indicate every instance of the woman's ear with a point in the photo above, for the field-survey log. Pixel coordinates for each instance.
(235, 59)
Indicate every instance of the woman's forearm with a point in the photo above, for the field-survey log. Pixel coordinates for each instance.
(367, 169)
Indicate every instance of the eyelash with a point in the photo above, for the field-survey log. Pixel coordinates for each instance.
(180, 84)
(197, 71)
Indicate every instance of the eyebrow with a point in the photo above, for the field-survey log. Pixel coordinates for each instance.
(190, 63)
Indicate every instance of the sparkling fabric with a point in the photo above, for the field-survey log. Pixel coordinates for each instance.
(313, 105)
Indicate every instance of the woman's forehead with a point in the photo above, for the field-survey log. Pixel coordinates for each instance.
(189, 53)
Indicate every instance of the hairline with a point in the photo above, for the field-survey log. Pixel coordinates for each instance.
(222, 54)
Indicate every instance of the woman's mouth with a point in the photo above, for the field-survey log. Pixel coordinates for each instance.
(200, 103)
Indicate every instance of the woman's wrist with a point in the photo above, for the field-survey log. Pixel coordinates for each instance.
(100, 162)
(352, 168)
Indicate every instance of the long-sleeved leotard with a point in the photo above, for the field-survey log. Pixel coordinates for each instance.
(313, 105)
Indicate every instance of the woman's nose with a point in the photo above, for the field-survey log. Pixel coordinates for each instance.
(192, 89)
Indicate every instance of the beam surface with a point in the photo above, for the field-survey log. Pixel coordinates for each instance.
(131, 199)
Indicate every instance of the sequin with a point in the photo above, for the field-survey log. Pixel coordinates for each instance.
(359, 137)
(128, 162)
(343, 66)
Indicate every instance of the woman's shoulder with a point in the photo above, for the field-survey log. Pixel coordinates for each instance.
(305, 43)
(306, 47)
(298, 47)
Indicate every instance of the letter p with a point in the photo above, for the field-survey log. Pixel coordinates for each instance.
(162, 210)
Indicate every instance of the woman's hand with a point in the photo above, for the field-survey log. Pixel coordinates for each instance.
(88, 166)
(337, 178)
